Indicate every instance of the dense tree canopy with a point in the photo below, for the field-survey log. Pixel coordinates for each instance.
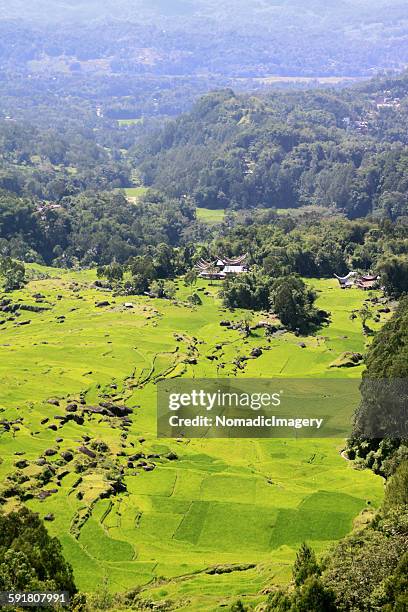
(29, 558)
(384, 393)
(333, 149)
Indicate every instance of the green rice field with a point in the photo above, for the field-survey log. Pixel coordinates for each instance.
(195, 522)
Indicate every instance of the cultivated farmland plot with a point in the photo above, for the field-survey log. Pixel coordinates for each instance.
(198, 521)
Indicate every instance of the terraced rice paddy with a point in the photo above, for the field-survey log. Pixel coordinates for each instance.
(196, 522)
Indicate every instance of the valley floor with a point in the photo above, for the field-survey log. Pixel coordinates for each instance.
(208, 520)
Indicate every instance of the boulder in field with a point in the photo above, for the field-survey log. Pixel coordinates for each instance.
(44, 494)
(50, 452)
(121, 411)
(102, 304)
(67, 455)
(256, 352)
(49, 517)
(95, 410)
(53, 402)
(87, 451)
(136, 457)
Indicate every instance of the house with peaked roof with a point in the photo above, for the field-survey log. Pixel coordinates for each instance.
(222, 267)
(368, 282)
(346, 282)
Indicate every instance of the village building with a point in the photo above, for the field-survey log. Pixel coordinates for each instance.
(368, 282)
(222, 267)
(346, 282)
(365, 283)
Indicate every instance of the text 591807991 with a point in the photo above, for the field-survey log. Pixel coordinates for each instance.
(33, 598)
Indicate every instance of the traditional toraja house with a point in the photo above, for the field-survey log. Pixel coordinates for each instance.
(222, 267)
(366, 282)
(346, 281)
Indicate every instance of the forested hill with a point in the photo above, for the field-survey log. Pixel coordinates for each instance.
(345, 149)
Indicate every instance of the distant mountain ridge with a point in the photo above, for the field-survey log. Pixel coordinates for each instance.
(226, 12)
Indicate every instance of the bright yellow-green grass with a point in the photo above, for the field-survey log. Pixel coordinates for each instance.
(242, 503)
(208, 215)
(134, 193)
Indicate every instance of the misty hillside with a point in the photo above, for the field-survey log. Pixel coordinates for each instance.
(227, 39)
(227, 12)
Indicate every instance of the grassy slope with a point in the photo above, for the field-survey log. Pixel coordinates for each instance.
(223, 501)
(208, 215)
(133, 194)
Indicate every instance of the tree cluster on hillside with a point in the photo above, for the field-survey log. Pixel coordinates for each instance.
(333, 149)
(31, 560)
(384, 402)
(12, 274)
(91, 228)
(287, 296)
(49, 164)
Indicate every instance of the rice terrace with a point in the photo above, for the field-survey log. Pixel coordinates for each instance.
(196, 522)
